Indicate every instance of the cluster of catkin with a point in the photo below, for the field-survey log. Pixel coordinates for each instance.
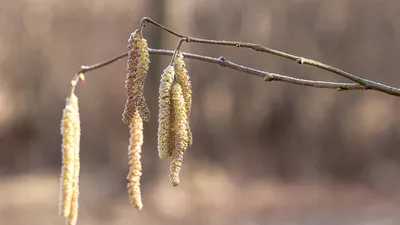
(175, 100)
(71, 132)
(174, 134)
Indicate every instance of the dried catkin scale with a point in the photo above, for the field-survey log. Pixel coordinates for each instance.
(137, 67)
(164, 105)
(182, 77)
(134, 155)
(181, 136)
(70, 131)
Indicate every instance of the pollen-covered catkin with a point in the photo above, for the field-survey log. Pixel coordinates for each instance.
(180, 132)
(134, 155)
(164, 120)
(73, 214)
(182, 77)
(137, 69)
(70, 131)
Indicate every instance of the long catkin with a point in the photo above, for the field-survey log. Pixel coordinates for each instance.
(164, 120)
(73, 215)
(70, 131)
(182, 77)
(180, 132)
(134, 156)
(137, 69)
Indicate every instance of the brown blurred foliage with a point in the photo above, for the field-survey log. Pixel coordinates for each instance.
(261, 150)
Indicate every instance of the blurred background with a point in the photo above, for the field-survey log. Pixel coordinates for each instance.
(263, 153)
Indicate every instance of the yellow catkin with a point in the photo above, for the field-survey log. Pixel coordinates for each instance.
(182, 77)
(70, 131)
(164, 120)
(137, 67)
(180, 132)
(134, 155)
(73, 214)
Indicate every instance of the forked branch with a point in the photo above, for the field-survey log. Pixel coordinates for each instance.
(358, 83)
(229, 64)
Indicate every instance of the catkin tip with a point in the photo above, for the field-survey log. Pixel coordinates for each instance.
(175, 182)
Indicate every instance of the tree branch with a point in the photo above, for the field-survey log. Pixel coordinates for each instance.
(226, 63)
(358, 82)
(367, 84)
(267, 76)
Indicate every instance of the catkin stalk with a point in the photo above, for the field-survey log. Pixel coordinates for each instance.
(164, 120)
(134, 156)
(137, 67)
(180, 132)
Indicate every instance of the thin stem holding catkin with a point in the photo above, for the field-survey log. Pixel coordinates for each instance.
(177, 49)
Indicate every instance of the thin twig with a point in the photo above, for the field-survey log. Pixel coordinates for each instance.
(85, 69)
(266, 75)
(226, 63)
(177, 49)
(367, 84)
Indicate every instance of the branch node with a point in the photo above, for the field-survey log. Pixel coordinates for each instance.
(222, 61)
(258, 47)
(340, 89)
(81, 76)
(301, 60)
(144, 21)
(269, 77)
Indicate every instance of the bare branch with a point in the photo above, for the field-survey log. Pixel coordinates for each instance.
(367, 84)
(359, 83)
(267, 76)
(226, 63)
(85, 69)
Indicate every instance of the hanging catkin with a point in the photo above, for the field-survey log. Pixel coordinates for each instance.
(180, 132)
(137, 67)
(134, 156)
(73, 214)
(164, 120)
(182, 77)
(70, 131)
